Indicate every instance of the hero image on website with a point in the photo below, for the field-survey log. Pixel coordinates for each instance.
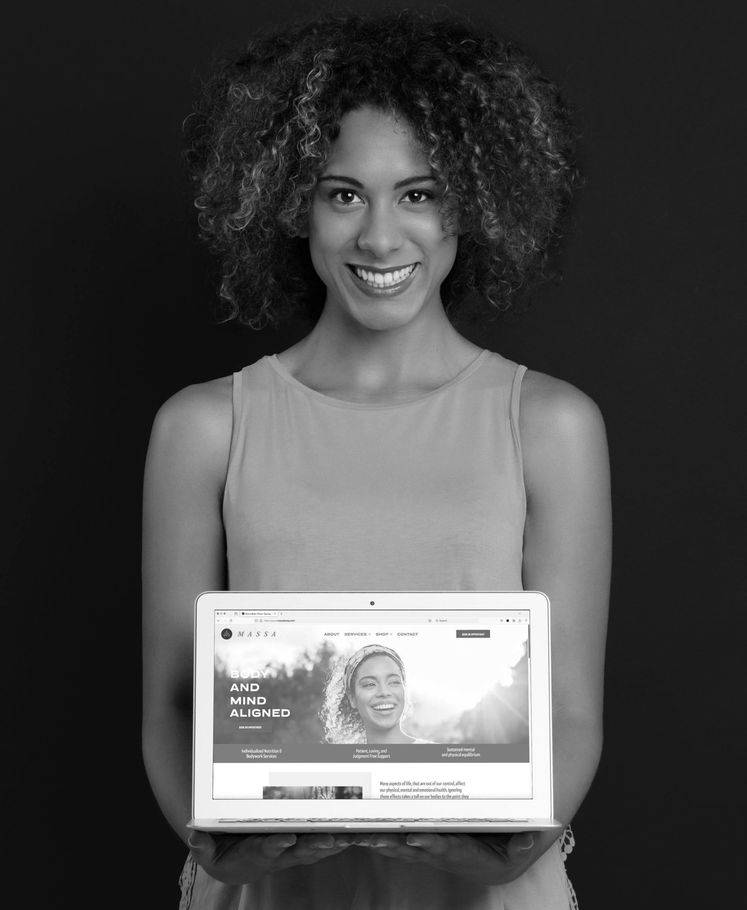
(327, 705)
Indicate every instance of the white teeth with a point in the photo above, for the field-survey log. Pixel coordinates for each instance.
(384, 279)
(383, 707)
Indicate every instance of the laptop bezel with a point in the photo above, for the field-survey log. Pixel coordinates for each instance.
(206, 810)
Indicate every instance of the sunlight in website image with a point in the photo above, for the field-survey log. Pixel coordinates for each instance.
(365, 705)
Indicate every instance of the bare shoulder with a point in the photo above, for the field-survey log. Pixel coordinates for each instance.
(561, 427)
(555, 405)
(204, 407)
(193, 427)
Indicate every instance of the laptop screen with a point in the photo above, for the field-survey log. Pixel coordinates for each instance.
(398, 704)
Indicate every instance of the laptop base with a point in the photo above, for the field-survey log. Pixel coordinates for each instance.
(391, 826)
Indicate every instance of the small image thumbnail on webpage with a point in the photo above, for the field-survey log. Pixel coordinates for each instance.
(312, 792)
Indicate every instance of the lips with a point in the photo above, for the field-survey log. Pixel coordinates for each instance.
(384, 707)
(381, 278)
(383, 281)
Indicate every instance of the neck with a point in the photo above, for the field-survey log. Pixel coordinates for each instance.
(356, 364)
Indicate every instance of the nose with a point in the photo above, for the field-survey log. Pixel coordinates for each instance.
(380, 232)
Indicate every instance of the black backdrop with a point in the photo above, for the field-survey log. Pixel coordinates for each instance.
(107, 312)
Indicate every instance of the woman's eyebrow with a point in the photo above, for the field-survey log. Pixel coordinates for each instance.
(422, 178)
(340, 178)
(389, 676)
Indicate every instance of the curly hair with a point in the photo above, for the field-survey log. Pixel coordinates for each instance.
(494, 130)
(340, 721)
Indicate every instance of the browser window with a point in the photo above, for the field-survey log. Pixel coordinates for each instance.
(371, 704)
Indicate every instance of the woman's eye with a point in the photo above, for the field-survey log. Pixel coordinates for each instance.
(418, 197)
(344, 197)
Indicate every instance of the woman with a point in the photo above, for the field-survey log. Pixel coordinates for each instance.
(365, 699)
(377, 171)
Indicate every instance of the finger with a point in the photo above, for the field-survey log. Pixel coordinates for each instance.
(210, 849)
(344, 840)
(520, 845)
(401, 852)
(313, 844)
(201, 846)
(497, 843)
(274, 845)
(435, 844)
(377, 840)
(387, 844)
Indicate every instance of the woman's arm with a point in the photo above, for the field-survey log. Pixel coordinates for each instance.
(183, 555)
(567, 555)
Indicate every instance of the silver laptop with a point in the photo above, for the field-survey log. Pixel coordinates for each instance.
(372, 711)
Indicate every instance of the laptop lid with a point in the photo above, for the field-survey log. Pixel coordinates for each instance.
(372, 705)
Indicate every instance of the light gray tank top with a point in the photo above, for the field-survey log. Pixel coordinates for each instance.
(323, 494)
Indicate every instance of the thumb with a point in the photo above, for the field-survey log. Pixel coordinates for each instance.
(522, 843)
(200, 844)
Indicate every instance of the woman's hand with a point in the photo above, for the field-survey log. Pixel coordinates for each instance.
(491, 859)
(238, 859)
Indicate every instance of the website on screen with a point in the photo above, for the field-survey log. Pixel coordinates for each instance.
(361, 704)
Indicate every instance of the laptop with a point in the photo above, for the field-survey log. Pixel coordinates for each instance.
(372, 711)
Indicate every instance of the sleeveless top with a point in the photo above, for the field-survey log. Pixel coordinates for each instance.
(426, 494)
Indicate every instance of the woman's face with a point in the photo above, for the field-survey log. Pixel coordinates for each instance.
(375, 230)
(378, 693)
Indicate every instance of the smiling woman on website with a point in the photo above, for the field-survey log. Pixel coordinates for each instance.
(378, 173)
(365, 699)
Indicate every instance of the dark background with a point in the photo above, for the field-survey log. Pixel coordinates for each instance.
(107, 312)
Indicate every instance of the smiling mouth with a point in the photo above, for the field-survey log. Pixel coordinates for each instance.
(383, 279)
(388, 706)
